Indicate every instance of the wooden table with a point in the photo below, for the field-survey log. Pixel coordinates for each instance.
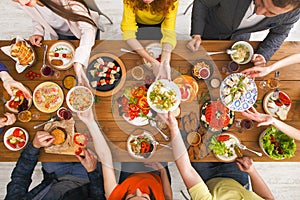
(182, 61)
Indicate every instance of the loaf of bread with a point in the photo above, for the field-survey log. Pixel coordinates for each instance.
(22, 52)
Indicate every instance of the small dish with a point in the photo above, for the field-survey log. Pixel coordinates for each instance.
(59, 134)
(15, 138)
(137, 73)
(69, 81)
(61, 54)
(244, 52)
(193, 138)
(188, 87)
(202, 70)
(80, 99)
(141, 146)
(154, 50)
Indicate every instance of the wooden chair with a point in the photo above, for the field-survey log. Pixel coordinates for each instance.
(93, 6)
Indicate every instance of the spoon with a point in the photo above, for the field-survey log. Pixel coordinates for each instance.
(228, 51)
(127, 51)
(45, 52)
(163, 145)
(52, 119)
(153, 124)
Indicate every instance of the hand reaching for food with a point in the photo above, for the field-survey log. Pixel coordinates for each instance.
(263, 119)
(36, 40)
(194, 44)
(42, 139)
(245, 164)
(81, 76)
(9, 119)
(257, 71)
(89, 161)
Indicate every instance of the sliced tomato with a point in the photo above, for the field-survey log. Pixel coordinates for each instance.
(222, 138)
(16, 132)
(145, 111)
(11, 145)
(21, 144)
(284, 99)
(133, 107)
(80, 139)
(13, 104)
(78, 151)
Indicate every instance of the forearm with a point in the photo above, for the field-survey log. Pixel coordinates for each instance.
(166, 52)
(166, 184)
(259, 186)
(103, 151)
(287, 129)
(21, 175)
(4, 75)
(188, 173)
(293, 59)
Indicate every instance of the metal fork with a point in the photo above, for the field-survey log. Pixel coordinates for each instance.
(246, 148)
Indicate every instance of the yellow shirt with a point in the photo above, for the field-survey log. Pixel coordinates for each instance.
(130, 20)
(221, 188)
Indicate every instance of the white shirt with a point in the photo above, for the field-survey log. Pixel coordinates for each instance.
(250, 18)
(58, 23)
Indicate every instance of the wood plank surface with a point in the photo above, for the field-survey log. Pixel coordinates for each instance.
(117, 130)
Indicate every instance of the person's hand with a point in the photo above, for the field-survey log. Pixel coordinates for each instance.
(36, 40)
(257, 71)
(42, 139)
(170, 120)
(87, 116)
(258, 60)
(263, 119)
(81, 76)
(195, 43)
(9, 119)
(9, 83)
(245, 164)
(164, 71)
(89, 161)
(155, 165)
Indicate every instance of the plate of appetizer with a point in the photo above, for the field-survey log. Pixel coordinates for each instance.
(244, 52)
(48, 97)
(223, 146)
(61, 54)
(141, 146)
(238, 92)
(80, 99)
(15, 138)
(22, 52)
(163, 96)
(154, 50)
(277, 105)
(202, 69)
(18, 102)
(133, 105)
(106, 74)
(215, 116)
(277, 145)
(188, 87)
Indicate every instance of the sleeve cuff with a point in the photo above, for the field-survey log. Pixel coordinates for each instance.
(3, 67)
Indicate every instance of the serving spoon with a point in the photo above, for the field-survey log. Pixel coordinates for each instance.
(153, 124)
(228, 51)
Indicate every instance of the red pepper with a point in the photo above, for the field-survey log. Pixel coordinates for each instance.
(78, 151)
(222, 138)
(80, 139)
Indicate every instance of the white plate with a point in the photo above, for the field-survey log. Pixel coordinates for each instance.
(249, 47)
(10, 132)
(246, 101)
(133, 136)
(154, 49)
(272, 111)
(47, 99)
(230, 145)
(138, 121)
(169, 85)
(89, 94)
(62, 47)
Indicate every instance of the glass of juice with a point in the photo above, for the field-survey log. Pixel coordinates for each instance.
(24, 116)
(49, 71)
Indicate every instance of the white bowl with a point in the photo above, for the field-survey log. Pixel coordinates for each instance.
(10, 132)
(133, 136)
(86, 107)
(249, 47)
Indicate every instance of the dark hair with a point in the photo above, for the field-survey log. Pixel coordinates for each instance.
(157, 6)
(151, 195)
(68, 14)
(285, 3)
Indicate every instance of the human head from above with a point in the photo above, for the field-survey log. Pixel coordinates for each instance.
(138, 195)
(157, 6)
(271, 8)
